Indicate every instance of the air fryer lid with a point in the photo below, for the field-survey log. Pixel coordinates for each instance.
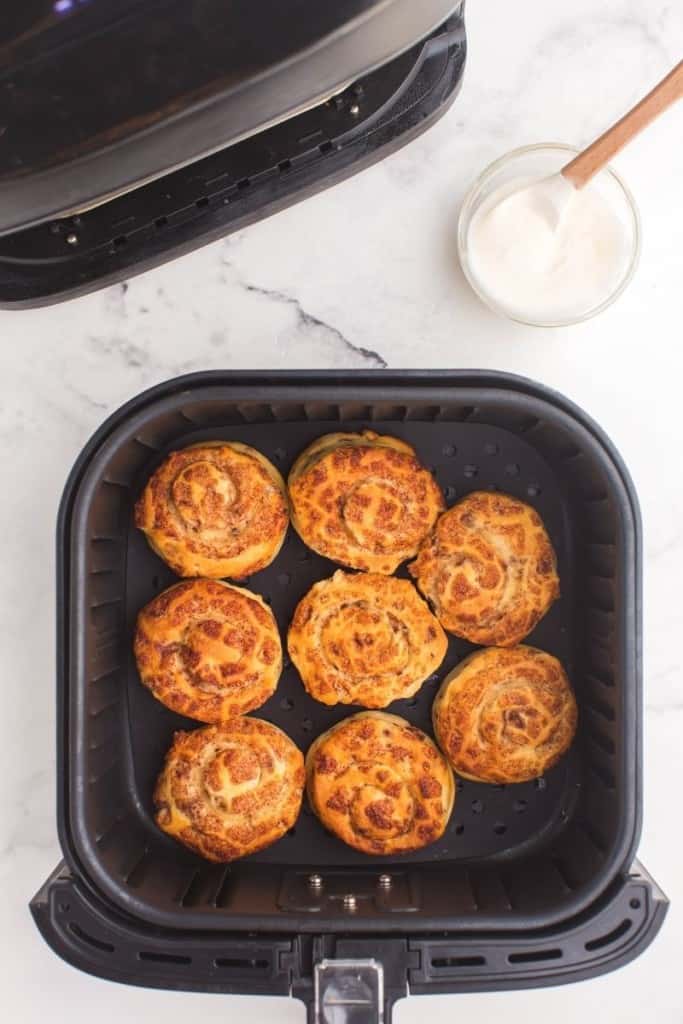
(96, 97)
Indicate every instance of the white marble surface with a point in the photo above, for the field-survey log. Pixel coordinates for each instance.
(366, 275)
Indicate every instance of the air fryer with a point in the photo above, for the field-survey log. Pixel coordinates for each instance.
(133, 132)
(531, 884)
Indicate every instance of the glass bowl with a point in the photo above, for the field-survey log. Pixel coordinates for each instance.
(536, 162)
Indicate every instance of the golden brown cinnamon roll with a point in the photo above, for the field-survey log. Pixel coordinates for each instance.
(379, 784)
(208, 650)
(229, 790)
(363, 500)
(215, 509)
(488, 569)
(364, 639)
(505, 714)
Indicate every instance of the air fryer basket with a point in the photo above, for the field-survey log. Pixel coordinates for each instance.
(526, 860)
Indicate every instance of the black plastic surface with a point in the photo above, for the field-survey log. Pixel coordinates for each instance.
(513, 857)
(487, 820)
(199, 75)
(93, 938)
(237, 185)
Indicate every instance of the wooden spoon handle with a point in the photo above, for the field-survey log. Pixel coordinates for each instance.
(582, 168)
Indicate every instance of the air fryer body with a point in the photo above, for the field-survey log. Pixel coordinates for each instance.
(159, 116)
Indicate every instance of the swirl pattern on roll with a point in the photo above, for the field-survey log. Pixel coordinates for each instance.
(380, 784)
(505, 714)
(208, 650)
(364, 638)
(363, 500)
(488, 569)
(216, 509)
(229, 790)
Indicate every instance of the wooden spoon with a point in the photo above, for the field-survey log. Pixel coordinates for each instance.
(583, 167)
(554, 193)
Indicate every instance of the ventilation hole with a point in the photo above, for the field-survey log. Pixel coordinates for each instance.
(602, 708)
(136, 874)
(533, 490)
(164, 958)
(243, 183)
(449, 449)
(491, 449)
(458, 961)
(192, 893)
(284, 165)
(280, 454)
(286, 703)
(604, 742)
(606, 777)
(325, 147)
(540, 783)
(520, 806)
(512, 469)
(240, 962)
(459, 829)
(634, 904)
(477, 807)
(412, 703)
(500, 829)
(534, 956)
(106, 947)
(161, 222)
(284, 578)
(307, 725)
(64, 908)
(449, 493)
(120, 241)
(471, 471)
(305, 556)
(202, 203)
(459, 785)
(499, 785)
(605, 940)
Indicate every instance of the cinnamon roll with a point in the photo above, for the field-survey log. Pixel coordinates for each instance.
(488, 569)
(379, 784)
(505, 714)
(363, 500)
(364, 639)
(229, 790)
(215, 509)
(208, 650)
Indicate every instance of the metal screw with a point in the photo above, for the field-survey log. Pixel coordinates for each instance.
(350, 902)
(354, 110)
(315, 881)
(72, 239)
(384, 881)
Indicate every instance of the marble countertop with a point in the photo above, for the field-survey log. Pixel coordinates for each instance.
(366, 275)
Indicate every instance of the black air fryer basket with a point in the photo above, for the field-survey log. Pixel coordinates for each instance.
(532, 884)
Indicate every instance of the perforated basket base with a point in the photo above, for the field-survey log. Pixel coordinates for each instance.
(488, 821)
